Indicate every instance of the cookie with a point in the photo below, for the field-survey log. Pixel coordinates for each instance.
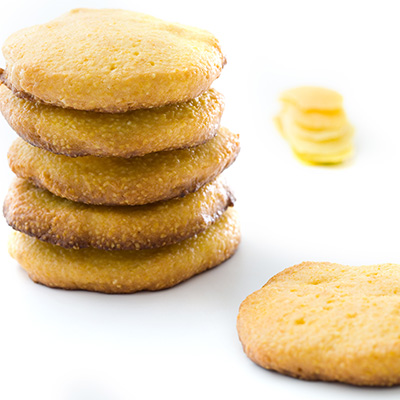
(39, 213)
(324, 321)
(125, 181)
(127, 271)
(79, 133)
(111, 61)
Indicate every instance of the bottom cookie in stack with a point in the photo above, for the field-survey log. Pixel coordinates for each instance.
(178, 239)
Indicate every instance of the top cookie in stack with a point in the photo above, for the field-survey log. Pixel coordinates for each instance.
(111, 61)
(119, 110)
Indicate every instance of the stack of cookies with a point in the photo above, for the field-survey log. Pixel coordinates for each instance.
(313, 121)
(118, 163)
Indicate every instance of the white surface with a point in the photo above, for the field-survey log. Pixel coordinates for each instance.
(182, 342)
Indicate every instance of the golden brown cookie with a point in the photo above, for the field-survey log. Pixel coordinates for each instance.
(121, 181)
(324, 321)
(39, 213)
(127, 271)
(79, 133)
(111, 61)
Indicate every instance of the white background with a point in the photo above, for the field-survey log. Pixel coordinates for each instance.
(182, 343)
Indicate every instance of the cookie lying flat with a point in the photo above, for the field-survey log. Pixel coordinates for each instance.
(78, 133)
(324, 321)
(111, 61)
(39, 213)
(127, 271)
(121, 181)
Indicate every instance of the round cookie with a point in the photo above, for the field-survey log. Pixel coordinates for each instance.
(324, 321)
(79, 133)
(111, 61)
(39, 213)
(121, 181)
(127, 271)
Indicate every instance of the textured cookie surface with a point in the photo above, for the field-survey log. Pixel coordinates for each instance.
(135, 133)
(127, 271)
(324, 321)
(111, 61)
(125, 181)
(39, 213)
